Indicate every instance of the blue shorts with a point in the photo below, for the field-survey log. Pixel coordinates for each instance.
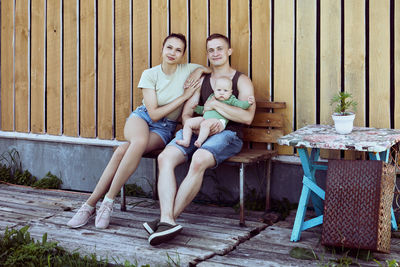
(165, 128)
(222, 145)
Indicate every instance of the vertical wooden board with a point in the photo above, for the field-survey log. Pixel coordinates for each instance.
(379, 63)
(70, 69)
(354, 59)
(140, 35)
(397, 65)
(105, 69)
(122, 67)
(306, 63)
(240, 35)
(284, 62)
(21, 66)
(159, 29)
(87, 75)
(178, 18)
(198, 31)
(7, 66)
(261, 48)
(330, 64)
(330, 56)
(354, 55)
(37, 66)
(218, 16)
(53, 68)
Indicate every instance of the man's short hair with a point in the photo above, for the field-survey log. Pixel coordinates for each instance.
(219, 36)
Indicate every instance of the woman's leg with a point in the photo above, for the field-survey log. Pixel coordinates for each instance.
(106, 178)
(141, 140)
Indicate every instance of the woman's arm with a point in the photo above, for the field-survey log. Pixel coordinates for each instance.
(157, 112)
(232, 113)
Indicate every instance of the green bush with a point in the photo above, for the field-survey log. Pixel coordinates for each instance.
(50, 181)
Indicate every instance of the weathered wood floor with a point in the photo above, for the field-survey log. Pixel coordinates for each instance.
(211, 235)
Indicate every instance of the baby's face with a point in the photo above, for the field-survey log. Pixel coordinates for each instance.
(223, 90)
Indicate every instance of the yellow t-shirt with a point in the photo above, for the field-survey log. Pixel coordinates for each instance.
(168, 87)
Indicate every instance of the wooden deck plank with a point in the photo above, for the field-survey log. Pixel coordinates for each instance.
(47, 211)
(211, 235)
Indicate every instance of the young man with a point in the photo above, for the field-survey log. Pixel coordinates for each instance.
(220, 146)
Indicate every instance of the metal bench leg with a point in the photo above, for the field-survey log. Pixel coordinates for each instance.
(123, 199)
(241, 184)
(268, 185)
(155, 175)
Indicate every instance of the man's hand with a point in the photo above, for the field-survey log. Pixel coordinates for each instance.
(215, 127)
(251, 99)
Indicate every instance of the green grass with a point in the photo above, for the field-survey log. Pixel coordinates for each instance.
(17, 248)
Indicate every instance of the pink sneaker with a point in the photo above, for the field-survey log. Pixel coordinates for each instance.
(82, 216)
(103, 215)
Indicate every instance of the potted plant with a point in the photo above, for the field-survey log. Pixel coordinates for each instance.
(344, 113)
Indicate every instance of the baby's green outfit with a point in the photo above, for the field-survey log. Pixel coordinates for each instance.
(213, 114)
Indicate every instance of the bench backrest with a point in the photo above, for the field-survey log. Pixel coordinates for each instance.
(267, 125)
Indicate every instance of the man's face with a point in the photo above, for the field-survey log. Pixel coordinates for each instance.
(218, 52)
(223, 90)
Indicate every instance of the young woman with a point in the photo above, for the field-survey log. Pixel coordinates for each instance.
(149, 127)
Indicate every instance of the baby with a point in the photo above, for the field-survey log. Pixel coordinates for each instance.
(222, 92)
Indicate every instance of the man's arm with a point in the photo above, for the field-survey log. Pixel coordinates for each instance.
(232, 113)
(187, 111)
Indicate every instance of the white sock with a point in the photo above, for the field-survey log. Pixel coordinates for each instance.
(108, 199)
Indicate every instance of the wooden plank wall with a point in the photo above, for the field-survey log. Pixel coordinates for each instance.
(71, 67)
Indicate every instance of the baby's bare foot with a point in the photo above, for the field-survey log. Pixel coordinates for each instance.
(197, 144)
(182, 143)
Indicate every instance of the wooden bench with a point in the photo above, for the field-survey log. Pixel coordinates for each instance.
(260, 140)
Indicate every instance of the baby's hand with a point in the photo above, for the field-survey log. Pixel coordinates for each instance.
(251, 100)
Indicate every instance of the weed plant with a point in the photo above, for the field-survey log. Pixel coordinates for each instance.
(339, 257)
(11, 172)
(50, 181)
(11, 169)
(17, 248)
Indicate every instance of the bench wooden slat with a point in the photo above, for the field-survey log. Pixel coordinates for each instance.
(269, 104)
(268, 120)
(261, 135)
(251, 156)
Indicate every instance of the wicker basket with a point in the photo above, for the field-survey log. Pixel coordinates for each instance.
(359, 196)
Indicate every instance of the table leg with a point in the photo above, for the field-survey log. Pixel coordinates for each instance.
(385, 157)
(309, 188)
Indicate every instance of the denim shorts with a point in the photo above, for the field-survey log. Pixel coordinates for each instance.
(165, 128)
(222, 145)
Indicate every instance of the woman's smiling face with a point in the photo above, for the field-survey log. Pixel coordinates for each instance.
(173, 51)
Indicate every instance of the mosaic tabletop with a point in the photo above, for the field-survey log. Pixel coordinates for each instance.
(325, 136)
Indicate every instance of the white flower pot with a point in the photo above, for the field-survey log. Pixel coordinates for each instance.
(343, 123)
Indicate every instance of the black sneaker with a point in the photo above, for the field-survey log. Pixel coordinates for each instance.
(164, 233)
(151, 227)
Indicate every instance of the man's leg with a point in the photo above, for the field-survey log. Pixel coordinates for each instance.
(167, 161)
(190, 186)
